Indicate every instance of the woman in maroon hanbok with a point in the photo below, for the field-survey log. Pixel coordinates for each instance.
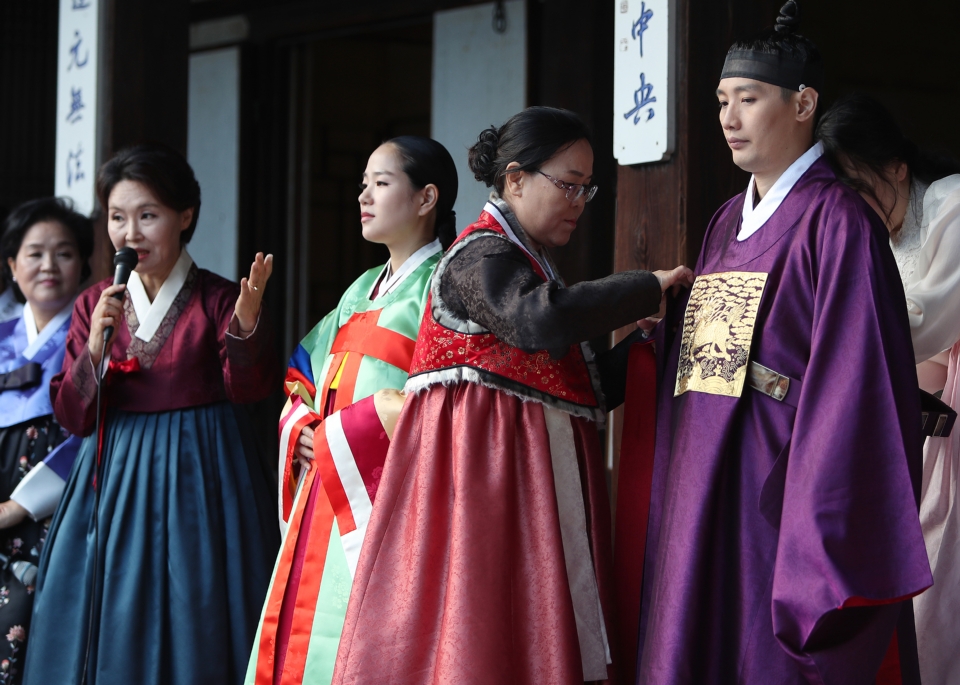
(488, 556)
(180, 559)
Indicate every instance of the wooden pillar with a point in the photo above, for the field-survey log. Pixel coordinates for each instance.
(570, 65)
(663, 209)
(28, 81)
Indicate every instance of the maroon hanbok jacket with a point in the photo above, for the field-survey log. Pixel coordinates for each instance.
(191, 361)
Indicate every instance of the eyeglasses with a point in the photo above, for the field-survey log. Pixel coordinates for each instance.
(574, 190)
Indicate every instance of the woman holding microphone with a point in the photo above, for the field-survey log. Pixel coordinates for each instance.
(179, 557)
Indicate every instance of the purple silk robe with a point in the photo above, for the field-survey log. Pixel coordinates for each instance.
(767, 518)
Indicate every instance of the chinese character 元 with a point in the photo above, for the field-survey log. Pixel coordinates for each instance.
(641, 98)
(641, 24)
(75, 51)
(74, 169)
(80, 4)
(76, 104)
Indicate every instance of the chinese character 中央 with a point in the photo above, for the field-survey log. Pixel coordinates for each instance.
(76, 104)
(74, 168)
(641, 24)
(641, 98)
(75, 51)
(80, 4)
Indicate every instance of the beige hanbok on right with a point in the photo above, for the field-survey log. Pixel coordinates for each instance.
(927, 249)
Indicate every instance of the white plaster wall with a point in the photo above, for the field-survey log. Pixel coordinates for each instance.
(213, 150)
(479, 79)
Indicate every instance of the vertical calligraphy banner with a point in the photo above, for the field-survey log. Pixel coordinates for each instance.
(77, 65)
(644, 81)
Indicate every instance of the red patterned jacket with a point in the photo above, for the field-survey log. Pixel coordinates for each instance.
(453, 350)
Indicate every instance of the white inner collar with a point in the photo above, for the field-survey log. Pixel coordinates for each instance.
(755, 217)
(151, 314)
(384, 285)
(37, 339)
(494, 211)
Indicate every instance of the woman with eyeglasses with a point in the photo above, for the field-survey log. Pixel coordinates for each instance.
(488, 556)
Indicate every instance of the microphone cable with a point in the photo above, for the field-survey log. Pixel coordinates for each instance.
(98, 481)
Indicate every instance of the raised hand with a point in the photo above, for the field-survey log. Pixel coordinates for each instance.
(251, 293)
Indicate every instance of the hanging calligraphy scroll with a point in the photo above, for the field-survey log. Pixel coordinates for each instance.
(644, 91)
(77, 64)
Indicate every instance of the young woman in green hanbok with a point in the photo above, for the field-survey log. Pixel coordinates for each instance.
(343, 381)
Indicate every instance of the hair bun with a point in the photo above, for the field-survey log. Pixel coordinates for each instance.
(483, 154)
(788, 22)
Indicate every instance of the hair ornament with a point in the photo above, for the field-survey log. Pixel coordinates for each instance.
(780, 57)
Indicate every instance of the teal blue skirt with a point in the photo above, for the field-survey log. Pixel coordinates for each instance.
(187, 542)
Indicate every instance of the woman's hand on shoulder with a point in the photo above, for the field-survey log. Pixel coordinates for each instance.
(247, 309)
(388, 403)
(674, 278)
(108, 312)
(11, 514)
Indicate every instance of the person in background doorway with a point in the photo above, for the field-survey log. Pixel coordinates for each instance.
(343, 384)
(784, 538)
(487, 558)
(179, 561)
(10, 307)
(45, 248)
(917, 195)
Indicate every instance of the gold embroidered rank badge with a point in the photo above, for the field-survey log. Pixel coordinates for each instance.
(717, 332)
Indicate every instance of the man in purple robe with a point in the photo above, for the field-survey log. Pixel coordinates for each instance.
(783, 533)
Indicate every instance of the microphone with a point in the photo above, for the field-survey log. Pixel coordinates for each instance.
(124, 262)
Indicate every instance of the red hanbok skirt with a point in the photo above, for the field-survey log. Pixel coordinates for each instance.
(462, 577)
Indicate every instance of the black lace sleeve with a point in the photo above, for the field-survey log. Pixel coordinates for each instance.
(492, 283)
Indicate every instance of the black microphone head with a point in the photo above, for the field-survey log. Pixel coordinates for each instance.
(126, 256)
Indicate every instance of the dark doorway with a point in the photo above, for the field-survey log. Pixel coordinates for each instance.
(348, 94)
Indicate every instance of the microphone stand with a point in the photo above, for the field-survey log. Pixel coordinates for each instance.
(98, 480)
(124, 261)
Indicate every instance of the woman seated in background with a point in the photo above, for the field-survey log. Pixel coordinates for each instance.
(46, 248)
(163, 586)
(335, 430)
(488, 555)
(917, 195)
